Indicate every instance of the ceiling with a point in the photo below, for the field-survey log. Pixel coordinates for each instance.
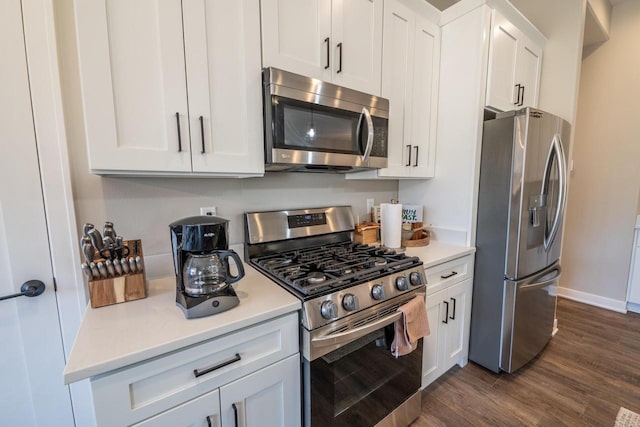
(443, 4)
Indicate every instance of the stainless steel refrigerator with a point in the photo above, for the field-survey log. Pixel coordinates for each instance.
(521, 201)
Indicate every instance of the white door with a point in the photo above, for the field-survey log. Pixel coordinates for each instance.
(222, 50)
(424, 96)
(399, 28)
(296, 36)
(459, 298)
(269, 397)
(503, 51)
(432, 352)
(132, 72)
(32, 359)
(357, 47)
(529, 68)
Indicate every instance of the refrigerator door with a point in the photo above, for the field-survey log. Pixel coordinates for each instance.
(554, 185)
(527, 317)
(538, 167)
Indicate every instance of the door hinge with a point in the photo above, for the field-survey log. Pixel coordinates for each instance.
(55, 285)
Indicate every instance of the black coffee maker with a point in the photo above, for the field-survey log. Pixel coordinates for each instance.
(201, 260)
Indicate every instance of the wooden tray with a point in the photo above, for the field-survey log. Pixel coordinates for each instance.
(419, 238)
(119, 289)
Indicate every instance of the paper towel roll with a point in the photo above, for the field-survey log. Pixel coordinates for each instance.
(391, 224)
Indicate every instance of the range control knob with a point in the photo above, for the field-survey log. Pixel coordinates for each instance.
(349, 302)
(402, 283)
(377, 292)
(415, 278)
(329, 310)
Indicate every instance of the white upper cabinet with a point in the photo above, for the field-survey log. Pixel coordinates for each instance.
(410, 72)
(147, 78)
(515, 63)
(338, 41)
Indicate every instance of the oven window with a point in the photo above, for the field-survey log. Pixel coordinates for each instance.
(311, 127)
(361, 383)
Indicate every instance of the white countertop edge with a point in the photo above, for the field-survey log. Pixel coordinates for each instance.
(437, 252)
(638, 221)
(180, 344)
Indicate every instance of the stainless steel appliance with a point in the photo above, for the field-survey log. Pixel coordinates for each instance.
(522, 196)
(315, 126)
(350, 294)
(201, 261)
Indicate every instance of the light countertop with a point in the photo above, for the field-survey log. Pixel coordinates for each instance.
(118, 335)
(437, 252)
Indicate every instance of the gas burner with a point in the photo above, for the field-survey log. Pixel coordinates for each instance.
(276, 262)
(316, 277)
(378, 261)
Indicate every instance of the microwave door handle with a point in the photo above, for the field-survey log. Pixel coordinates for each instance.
(370, 134)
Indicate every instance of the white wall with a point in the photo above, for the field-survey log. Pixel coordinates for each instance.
(143, 207)
(603, 198)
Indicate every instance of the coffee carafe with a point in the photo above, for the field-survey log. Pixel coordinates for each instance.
(201, 259)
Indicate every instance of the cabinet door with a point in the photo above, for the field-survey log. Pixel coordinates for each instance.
(397, 73)
(294, 36)
(203, 411)
(269, 397)
(222, 48)
(424, 98)
(529, 68)
(503, 52)
(357, 44)
(132, 74)
(432, 354)
(457, 343)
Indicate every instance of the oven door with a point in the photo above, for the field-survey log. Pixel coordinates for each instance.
(361, 382)
(310, 134)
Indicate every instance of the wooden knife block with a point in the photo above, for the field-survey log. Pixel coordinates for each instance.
(127, 287)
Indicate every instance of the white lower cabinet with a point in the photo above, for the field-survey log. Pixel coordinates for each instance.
(634, 274)
(449, 313)
(263, 399)
(246, 378)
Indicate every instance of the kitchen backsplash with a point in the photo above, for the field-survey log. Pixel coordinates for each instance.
(142, 208)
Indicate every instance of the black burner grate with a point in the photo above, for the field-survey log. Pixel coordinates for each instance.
(320, 269)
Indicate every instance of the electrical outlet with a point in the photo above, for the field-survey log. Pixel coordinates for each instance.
(208, 211)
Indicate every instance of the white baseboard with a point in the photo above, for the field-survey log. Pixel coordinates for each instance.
(592, 299)
(633, 307)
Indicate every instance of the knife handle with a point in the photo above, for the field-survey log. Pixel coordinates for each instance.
(94, 270)
(132, 265)
(86, 270)
(117, 267)
(125, 265)
(96, 239)
(86, 227)
(87, 249)
(139, 264)
(102, 269)
(109, 231)
(110, 270)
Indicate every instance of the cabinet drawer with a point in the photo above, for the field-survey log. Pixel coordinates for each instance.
(135, 393)
(443, 275)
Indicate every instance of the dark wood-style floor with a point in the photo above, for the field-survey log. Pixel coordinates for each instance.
(588, 370)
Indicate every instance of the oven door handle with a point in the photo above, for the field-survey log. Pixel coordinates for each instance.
(353, 334)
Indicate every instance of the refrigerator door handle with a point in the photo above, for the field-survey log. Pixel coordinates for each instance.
(534, 283)
(555, 150)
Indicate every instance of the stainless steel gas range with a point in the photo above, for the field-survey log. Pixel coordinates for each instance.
(350, 294)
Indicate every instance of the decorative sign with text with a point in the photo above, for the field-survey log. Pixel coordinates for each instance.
(412, 213)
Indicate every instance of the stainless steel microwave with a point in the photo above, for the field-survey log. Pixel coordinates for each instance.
(315, 126)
